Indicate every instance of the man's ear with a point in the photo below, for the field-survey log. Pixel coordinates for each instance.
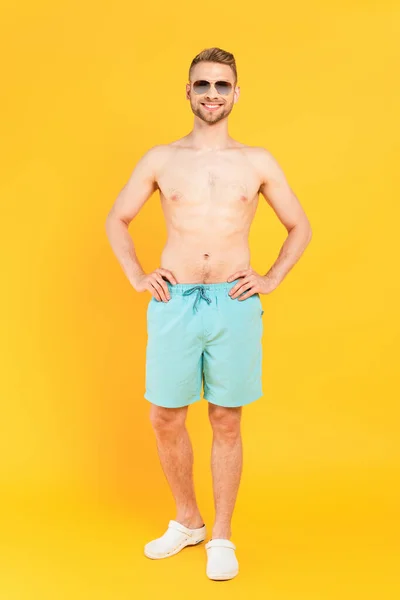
(236, 94)
(187, 91)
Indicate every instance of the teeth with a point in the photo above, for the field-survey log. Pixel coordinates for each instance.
(211, 105)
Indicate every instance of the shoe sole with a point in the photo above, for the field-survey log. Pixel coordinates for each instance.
(222, 576)
(175, 551)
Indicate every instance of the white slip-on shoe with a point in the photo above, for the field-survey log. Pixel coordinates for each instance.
(221, 559)
(174, 539)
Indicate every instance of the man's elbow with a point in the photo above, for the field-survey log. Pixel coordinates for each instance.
(113, 220)
(309, 231)
(303, 229)
(302, 225)
(110, 219)
(305, 225)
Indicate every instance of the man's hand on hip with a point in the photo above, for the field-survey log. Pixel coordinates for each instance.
(155, 284)
(251, 283)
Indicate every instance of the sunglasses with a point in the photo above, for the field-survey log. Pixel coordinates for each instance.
(202, 87)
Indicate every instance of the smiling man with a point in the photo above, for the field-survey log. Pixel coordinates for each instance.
(204, 317)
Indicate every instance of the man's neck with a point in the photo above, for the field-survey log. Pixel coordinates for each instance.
(210, 137)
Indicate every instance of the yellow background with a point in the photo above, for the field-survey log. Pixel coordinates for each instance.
(87, 88)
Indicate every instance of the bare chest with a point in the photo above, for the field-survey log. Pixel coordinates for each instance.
(212, 181)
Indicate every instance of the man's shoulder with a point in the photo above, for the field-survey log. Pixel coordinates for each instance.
(156, 156)
(260, 157)
(157, 150)
(169, 146)
(258, 152)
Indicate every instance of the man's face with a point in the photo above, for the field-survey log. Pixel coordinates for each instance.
(212, 106)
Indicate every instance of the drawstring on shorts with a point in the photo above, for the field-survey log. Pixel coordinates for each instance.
(200, 294)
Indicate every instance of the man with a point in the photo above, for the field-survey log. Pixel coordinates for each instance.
(205, 316)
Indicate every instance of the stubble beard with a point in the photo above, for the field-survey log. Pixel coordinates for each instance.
(209, 117)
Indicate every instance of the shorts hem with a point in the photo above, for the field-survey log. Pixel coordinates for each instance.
(244, 403)
(164, 405)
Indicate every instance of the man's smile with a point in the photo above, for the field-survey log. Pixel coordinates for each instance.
(210, 107)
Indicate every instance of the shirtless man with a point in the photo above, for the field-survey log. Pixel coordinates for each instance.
(204, 317)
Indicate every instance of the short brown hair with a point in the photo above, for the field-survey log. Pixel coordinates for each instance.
(216, 55)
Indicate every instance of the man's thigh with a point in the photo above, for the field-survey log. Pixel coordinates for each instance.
(233, 354)
(174, 360)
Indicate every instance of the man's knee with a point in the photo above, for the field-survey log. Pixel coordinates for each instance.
(167, 419)
(225, 420)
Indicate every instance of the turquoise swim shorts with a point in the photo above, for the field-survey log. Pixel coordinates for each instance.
(202, 336)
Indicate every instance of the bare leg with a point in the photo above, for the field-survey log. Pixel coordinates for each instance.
(226, 465)
(176, 457)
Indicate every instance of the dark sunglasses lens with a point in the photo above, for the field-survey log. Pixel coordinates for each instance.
(223, 87)
(200, 87)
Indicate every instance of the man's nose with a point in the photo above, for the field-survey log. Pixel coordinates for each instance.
(212, 92)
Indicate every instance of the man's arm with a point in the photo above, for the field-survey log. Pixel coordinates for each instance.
(285, 204)
(140, 186)
(277, 192)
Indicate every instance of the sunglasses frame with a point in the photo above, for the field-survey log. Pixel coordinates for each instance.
(210, 83)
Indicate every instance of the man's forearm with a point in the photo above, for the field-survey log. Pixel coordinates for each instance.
(296, 242)
(124, 249)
